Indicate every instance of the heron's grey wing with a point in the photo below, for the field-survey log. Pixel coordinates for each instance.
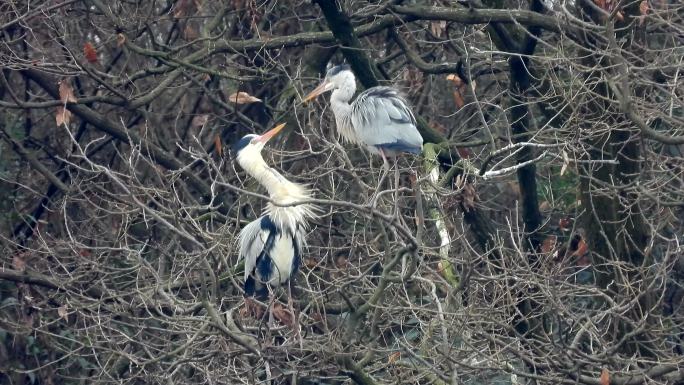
(252, 240)
(382, 118)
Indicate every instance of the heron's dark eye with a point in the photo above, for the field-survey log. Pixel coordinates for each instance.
(253, 141)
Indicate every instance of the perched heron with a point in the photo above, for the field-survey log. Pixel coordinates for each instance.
(379, 118)
(272, 244)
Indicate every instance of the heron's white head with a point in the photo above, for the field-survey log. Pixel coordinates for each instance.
(248, 149)
(339, 77)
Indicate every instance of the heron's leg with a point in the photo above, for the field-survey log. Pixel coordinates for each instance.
(295, 317)
(271, 301)
(396, 187)
(385, 171)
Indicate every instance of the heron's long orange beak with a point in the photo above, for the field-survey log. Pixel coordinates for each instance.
(323, 87)
(271, 133)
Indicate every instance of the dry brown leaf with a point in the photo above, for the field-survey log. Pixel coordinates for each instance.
(394, 357)
(182, 8)
(469, 196)
(643, 10)
(66, 93)
(310, 263)
(62, 311)
(438, 27)
(190, 33)
(456, 79)
(18, 263)
(89, 52)
(120, 40)
(549, 244)
(63, 116)
(545, 206)
(242, 98)
(283, 315)
(199, 120)
(458, 99)
(514, 188)
(217, 145)
(605, 377)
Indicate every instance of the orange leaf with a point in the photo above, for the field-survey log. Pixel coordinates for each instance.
(63, 116)
(120, 40)
(217, 145)
(18, 263)
(242, 98)
(456, 79)
(582, 248)
(605, 377)
(66, 93)
(394, 357)
(458, 99)
(90, 52)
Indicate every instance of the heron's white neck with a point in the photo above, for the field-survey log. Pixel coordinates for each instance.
(281, 191)
(339, 101)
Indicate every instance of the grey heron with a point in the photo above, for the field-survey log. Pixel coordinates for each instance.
(379, 118)
(271, 245)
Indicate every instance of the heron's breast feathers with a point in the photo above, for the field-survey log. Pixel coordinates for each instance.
(286, 210)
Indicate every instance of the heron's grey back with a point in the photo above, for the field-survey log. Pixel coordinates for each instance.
(382, 118)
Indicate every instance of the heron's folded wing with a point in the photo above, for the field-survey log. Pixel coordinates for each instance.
(252, 240)
(381, 117)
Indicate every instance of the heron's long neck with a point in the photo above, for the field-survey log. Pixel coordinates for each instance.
(339, 101)
(281, 191)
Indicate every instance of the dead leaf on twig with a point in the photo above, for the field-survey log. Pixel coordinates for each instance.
(242, 98)
(66, 93)
(283, 315)
(468, 197)
(438, 27)
(89, 52)
(217, 145)
(605, 377)
(63, 116)
(62, 311)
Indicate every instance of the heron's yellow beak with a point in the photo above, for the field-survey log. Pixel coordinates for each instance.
(323, 87)
(271, 133)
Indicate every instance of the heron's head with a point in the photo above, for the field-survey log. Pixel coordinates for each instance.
(337, 77)
(248, 149)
